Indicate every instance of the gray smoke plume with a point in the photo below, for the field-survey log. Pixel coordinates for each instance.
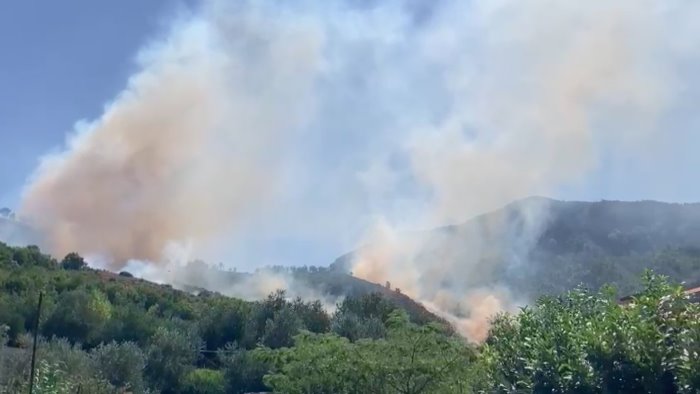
(338, 123)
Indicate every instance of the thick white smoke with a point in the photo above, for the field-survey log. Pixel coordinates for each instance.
(535, 87)
(335, 123)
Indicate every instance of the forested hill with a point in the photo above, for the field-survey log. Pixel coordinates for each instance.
(534, 246)
(306, 281)
(617, 228)
(543, 246)
(105, 332)
(614, 241)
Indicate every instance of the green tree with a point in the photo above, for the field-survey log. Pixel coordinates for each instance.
(412, 359)
(313, 317)
(73, 261)
(589, 343)
(280, 330)
(260, 314)
(353, 327)
(243, 370)
(79, 316)
(121, 364)
(204, 381)
(171, 354)
(224, 323)
(11, 316)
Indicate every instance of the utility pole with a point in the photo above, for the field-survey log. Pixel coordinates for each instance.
(36, 336)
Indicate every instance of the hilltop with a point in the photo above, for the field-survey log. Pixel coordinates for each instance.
(542, 246)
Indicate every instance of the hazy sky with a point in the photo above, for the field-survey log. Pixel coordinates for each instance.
(63, 61)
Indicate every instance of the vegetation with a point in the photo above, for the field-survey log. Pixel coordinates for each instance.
(567, 243)
(110, 333)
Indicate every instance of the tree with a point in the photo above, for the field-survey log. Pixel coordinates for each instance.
(319, 364)
(170, 356)
(204, 381)
(260, 314)
(31, 256)
(131, 323)
(313, 317)
(73, 261)
(243, 370)
(411, 360)
(224, 323)
(588, 342)
(280, 330)
(351, 326)
(417, 359)
(79, 316)
(121, 364)
(11, 317)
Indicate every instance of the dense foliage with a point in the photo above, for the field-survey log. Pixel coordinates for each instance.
(589, 343)
(109, 333)
(106, 332)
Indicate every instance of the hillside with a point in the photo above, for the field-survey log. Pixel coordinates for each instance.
(100, 318)
(103, 332)
(320, 282)
(306, 282)
(106, 333)
(541, 246)
(533, 247)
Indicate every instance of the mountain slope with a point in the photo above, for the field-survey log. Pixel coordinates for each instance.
(541, 246)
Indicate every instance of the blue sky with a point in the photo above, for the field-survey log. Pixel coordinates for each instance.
(63, 61)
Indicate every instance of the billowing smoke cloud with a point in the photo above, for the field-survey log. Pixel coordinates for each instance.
(336, 123)
(189, 148)
(536, 87)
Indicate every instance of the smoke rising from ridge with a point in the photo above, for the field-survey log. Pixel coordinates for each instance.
(354, 122)
(585, 73)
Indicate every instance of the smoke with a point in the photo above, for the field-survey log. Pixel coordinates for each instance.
(536, 87)
(196, 276)
(189, 148)
(253, 126)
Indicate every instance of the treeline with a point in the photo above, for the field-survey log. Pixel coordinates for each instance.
(105, 333)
